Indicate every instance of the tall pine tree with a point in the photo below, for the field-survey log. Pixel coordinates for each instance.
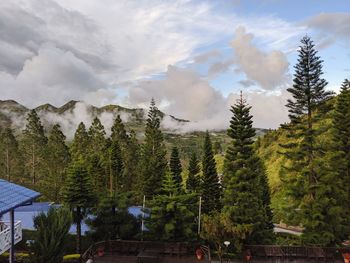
(97, 138)
(246, 193)
(78, 194)
(175, 166)
(117, 181)
(130, 153)
(57, 159)
(311, 185)
(171, 213)
(80, 144)
(10, 160)
(340, 154)
(153, 161)
(193, 180)
(33, 147)
(211, 189)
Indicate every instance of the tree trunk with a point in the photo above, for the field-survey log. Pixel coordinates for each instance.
(8, 165)
(79, 232)
(33, 164)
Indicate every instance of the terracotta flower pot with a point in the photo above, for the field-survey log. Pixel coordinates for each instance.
(101, 251)
(199, 254)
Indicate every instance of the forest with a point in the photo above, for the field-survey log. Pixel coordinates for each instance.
(298, 174)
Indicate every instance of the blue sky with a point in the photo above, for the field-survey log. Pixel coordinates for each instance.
(192, 56)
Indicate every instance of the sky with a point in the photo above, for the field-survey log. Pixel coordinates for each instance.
(193, 57)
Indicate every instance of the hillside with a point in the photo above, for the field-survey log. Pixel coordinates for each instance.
(269, 150)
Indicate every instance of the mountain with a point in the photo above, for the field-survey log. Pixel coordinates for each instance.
(69, 115)
(13, 114)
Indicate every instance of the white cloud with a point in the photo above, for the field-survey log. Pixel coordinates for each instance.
(58, 50)
(53, 75)
(331, 27)
(268, 69)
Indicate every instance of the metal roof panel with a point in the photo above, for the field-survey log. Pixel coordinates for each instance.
(13, 195)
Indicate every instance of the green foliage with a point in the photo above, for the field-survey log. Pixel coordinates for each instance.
(193, 180)
(153, 161)
(211, 191)
(340, 150)
(217, 228)
(97, 173)
(80, 144)
(117, 181)
(246, 194)
(97, 137)
(78, 194)
(175, 166)
(51, 236)
(312, 185)
(112, 220)
(33, 147)
(130, 155)
(11, 167)
(57, 159)
(171, 213)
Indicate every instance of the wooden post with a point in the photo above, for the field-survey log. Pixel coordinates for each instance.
(199, 214)
(143, 217)
(12, 227)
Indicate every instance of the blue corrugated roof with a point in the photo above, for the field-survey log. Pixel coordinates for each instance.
(13, 195)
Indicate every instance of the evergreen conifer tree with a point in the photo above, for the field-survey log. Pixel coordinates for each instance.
(171, 217)
(97, 172)
(175, 166)
(57, 160)
(246, 194)
(313, 188)
(80, 145)
(211, 189)
(78, 194)
(34, 147)
(112, 221)
(340, 155)
(116, 176)
(153, 161)
(10, 160)
(130, 153)
(193, 179)
(97, 138)
(118, 131)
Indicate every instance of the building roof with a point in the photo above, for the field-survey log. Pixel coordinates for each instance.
(13, 195)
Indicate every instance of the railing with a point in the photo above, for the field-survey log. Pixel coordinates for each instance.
(5, 235)
(293, 252)
(133, 248)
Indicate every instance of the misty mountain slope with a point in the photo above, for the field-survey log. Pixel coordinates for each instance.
(69, 115)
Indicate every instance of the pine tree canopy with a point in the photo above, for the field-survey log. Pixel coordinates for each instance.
(153, 161)
(57, 159)
(171, 215)
(308, 89)
(33, 147)
(78, 190)
(80, 144)
(246, 193)
(118, 131)
(10, 157)
(193, 180)
(175, 166)
(97, 136)
(211, 189)
(313, 187)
